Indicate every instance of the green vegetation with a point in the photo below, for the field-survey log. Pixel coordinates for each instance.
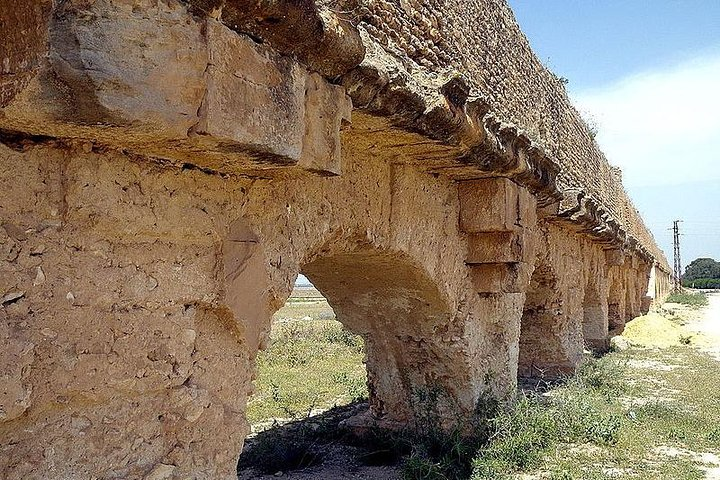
(649, 412)
(309, 365)
(702, 283)
(702, 273)
(694, 299)
(610, 422)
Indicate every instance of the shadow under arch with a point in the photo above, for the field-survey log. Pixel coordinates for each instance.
(398, 309)
(546, 347)
(595, 320)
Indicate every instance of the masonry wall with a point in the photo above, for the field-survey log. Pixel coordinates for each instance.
(429, 42)
(165, 176)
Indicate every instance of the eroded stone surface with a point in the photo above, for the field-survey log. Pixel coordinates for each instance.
(164, 178)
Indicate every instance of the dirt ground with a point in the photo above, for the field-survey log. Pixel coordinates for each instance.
(707, 326)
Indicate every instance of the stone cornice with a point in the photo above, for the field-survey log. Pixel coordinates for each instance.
(484, 145)
(303, 29)
(585, 214)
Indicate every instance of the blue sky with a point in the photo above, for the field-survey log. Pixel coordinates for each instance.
(647, 73)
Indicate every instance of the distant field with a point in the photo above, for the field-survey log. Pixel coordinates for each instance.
(312, 363)
(305, 292)
(305, 302)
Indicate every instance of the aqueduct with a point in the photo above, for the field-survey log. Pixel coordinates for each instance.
(168, 167)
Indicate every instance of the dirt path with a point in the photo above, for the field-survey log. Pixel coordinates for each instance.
(707, 326)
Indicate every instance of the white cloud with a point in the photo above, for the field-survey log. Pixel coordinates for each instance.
(661, 127)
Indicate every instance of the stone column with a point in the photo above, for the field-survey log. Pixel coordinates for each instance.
(499, 218)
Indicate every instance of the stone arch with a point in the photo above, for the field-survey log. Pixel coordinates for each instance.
(416, 353)
(544, 351)
(595, 319)
(399, 310)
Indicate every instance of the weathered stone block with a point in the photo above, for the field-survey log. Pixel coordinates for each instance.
(488, 205)
(614, 257)
(495, 205)
(255, 98)
(495, 247)
(267, 106)
(177, 87)
(500, 277)
(107, 66)
(327, 108)
(24, 44)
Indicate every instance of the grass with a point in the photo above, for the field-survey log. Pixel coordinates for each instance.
(642, 413)
(312, 363)
(645, 413)
(612, 420)
(694, 299)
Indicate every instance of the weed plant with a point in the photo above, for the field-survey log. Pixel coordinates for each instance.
(693, 299)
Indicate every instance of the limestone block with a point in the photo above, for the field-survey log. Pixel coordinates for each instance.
(246, 281)
(500, 277)
(255, 98)
(488, 205)
(267, 105)
(614, 257)
(620, 343)
(113, 65)
(156, 80)
(24, 43)
(495, 205)
(495, 247)
(327, 108)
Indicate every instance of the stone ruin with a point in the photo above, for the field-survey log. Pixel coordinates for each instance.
(168, 167)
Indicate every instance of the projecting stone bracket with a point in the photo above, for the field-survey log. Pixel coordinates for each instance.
(500, 277)
(498, 217)
(614, 257)
(184, 89)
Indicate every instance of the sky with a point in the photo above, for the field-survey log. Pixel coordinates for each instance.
(647, 75)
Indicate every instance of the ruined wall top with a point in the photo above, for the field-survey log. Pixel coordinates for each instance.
(460, 73)
(479, 40)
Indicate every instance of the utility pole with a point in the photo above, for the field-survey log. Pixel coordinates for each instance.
(677, 267)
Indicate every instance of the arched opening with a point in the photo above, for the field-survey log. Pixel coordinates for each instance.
(311, 363)
(396, 310)
(595, 323)
(401, 314)
(544, 329)
(616, 316)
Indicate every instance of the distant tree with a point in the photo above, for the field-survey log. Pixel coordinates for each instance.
(705, 268)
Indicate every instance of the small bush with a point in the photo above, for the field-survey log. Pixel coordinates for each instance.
(656, 410)
(694, 299)
(714, 436)
(524, 433)
(604, 376)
